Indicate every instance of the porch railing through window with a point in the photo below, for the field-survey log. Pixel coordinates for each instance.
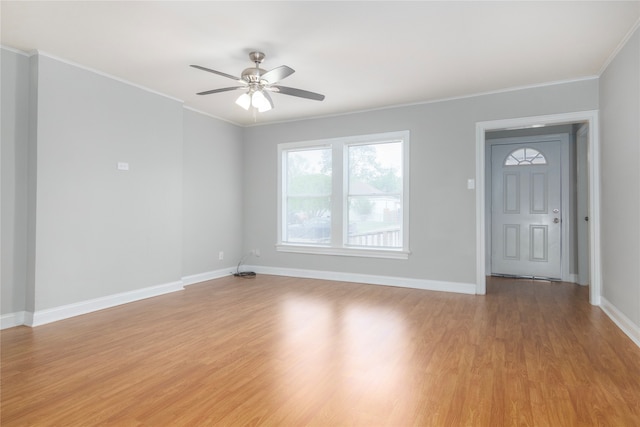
(378, 238)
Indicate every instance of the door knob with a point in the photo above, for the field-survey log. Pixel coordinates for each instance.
(556, 220)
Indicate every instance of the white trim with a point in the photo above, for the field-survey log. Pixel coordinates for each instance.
(623, 322)
(387, 107)
(54, 314)
(481, 280)
(346, 251)
(209, 275)
(28, 318)
(432, 101)
(103, 74)
(618, 48)
(595, 260)
(591, 117)
(401, 282)
(14, 50)
(573, 278)
(582, 204)
(11, 320)
(186, 107)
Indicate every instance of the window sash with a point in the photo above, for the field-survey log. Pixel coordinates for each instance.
(375, 228)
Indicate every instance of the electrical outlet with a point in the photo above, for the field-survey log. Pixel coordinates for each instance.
(256, 252)
(221, 255)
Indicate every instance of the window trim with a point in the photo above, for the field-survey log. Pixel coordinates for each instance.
(338, 245)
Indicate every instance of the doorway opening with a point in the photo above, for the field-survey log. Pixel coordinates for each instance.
(584, 126)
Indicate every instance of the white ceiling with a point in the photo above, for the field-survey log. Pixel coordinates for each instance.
(362, 55)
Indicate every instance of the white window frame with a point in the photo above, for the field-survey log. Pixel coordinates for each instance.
(339, 205)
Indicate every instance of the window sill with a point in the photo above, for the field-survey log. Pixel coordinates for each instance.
(355, 252)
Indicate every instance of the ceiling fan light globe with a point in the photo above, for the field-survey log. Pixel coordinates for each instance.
(265, 107)
(244, 101)
(259, 101)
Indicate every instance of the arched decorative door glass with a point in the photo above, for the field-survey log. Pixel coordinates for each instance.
(525, 156)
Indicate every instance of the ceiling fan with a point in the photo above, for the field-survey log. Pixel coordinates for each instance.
(258, 83)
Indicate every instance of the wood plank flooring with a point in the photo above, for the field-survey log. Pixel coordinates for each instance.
(279, 351)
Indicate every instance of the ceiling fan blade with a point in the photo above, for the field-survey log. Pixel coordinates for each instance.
(220, 73)
(268, 97)
(224, 89)
(277, 74)
(297, 92)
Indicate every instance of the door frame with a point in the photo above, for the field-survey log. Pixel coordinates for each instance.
(582, 203)
(566, 213)
(591, 118)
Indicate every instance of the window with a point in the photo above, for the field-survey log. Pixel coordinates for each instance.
(308, 196)
(345, 196)
(525, 156)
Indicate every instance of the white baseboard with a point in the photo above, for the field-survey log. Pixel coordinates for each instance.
(49, 315)
(42, 317)
(403, 282)
(624, 323)
(209, 275)
(10, 320)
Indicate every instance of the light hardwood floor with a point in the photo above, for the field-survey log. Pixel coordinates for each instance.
(280, 351)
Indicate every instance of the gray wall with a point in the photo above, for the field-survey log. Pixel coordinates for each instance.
(442, 211)
(74, 227)
(620, 145)
(14, 154)
(212, 196)
(101, 231)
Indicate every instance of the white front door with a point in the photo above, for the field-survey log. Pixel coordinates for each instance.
(526, 212)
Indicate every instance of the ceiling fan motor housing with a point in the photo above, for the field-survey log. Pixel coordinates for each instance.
(252, 75)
